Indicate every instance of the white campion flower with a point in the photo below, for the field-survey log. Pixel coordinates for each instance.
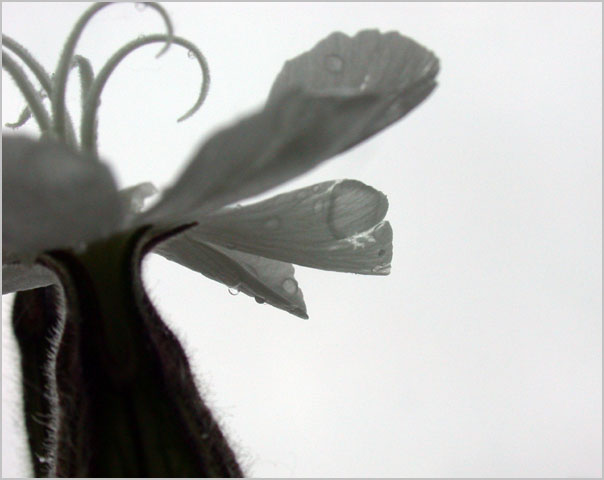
(116, 387)
(323, 103)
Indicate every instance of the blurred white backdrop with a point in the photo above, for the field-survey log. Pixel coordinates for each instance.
(480, 355)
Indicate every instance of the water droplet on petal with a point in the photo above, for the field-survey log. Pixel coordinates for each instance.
(272, 223)
(191, 54)
(382, 269)
(140, 6)
(259, 300)
(395, 109)
(369, 204)
(234, 290)
(290, 286)
(363, 85)
(318, 206)
(334, 63)
(381, 253)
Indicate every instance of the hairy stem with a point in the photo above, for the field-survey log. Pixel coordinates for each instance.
(35, 321)
(139, 411)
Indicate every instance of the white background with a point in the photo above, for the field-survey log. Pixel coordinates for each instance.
(480, 355)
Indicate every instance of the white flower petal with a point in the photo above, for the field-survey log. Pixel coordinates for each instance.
(268, 281)
(54, 197)
(284, 140)
(398, 69)
(322, 103)
(333, 225)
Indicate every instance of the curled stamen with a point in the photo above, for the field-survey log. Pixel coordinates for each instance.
(25, 113)
(86, 75)
(88, 135)
(27, 58)
(22, 120)
(29, 92)
(43, 77)
(59, 108)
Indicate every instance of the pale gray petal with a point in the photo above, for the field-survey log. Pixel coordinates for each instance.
(395, 67)
(334, 225)
(287, 138)
(268, 281)
(322, 103)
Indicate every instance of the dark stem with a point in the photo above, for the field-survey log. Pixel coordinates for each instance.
(35, 322)
(129, 403)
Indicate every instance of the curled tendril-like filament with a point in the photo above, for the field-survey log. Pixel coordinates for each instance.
(86, 75)
(86, 78)
(25, 114)
(27, 58)
(88, 125)
(22, 120)
(29, 92)
(59, 108)
(45, 81)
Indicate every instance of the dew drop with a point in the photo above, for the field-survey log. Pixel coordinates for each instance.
(290, 286)
(381, 253)
(318, 206)
(191, 54)
(343, 196)
(334, 63)
(259, 300)
(140, 6)
(234, 290)
(363, 85)
(272, 223)
(394, 109)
